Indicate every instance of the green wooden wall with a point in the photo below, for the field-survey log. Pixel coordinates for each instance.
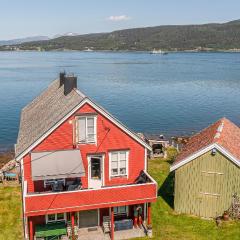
(204, 186)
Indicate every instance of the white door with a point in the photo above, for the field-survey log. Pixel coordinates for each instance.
(95, 171)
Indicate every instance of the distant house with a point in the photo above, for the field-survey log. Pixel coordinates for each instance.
(207, 171)
(159, 144)
(82, 170)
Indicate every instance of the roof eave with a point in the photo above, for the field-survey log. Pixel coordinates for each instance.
(101, 110)
(202, 151)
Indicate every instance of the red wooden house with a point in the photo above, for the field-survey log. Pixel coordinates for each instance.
(80, 166)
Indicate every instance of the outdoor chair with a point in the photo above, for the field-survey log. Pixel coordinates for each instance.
(57, 187)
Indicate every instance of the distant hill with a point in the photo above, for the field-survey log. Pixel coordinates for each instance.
(205, 37)
(23, 40)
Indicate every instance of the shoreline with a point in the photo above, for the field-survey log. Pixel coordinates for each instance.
(128, 51)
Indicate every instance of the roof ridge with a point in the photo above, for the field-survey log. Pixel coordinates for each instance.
(79, 92)
(202, 130)
(219, 129)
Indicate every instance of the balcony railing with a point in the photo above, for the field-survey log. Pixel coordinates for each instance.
(53, 202)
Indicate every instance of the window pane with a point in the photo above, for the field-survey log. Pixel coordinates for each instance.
(82, 129)
(60, 216)
(95, 168)
(123, 164)
(114, 156)
(51, 217)
(122, 209)
(114, 171)
(90, 122)
(122, 170)
(114, 165)
(122, 156)
(90, 130)
(91, 138)
(115, 210)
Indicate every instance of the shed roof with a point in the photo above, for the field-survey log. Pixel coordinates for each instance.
(223, 133)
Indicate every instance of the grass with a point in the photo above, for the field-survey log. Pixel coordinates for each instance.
(167, 225)
(10, 213)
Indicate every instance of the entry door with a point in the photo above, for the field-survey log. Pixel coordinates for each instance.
(88, 218)
(95, 172)
(210, 193)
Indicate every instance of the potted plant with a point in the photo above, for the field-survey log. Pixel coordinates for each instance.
(149, 230)
(226, 216)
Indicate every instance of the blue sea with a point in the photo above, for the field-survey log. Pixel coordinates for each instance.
(174, 94)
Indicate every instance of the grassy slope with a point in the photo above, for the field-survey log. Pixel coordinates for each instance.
(167, 225)
(10, 213)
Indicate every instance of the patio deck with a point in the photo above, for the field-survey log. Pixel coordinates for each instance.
(85, 234)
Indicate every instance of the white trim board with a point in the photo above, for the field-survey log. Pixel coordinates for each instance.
(205, 150)
(98, 108)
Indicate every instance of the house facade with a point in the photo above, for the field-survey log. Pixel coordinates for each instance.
(207, 171)
(79, 166)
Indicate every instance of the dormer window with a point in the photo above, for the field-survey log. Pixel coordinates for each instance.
(86, 129)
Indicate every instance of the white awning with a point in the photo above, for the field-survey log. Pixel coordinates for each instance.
(57, 164)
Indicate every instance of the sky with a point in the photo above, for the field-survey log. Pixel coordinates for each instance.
(23, 18)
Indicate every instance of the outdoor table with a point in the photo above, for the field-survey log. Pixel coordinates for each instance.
(51, 229)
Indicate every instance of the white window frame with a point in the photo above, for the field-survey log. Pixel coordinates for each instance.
(95, 129)
(49, 181)
(110, 163)
(119, 213)
(55, 220)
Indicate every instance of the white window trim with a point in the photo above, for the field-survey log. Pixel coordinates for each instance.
(49, 180)
(95, 129)
(102, 157)
(51, 221)
(110, 164)
(119, 213)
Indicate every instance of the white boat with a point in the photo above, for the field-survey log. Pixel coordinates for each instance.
(159, 51)
(88, 50)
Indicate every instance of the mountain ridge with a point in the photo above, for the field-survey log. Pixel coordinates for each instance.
(203, 37)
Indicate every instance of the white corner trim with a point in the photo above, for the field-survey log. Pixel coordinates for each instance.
(204, 150)
(145, 159)
(98, 108)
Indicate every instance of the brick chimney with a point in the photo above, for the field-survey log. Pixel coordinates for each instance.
(69, 81)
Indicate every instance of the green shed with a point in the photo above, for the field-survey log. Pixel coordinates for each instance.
(207, 171)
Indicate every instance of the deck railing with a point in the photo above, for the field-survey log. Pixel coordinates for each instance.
(53, 202)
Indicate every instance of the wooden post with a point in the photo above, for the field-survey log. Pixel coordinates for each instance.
(72, 220)
(30, 228)
(149, 214)
(112, 223)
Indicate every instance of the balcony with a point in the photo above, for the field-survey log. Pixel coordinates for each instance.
(82, 199)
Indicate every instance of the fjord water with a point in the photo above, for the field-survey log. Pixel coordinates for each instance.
(174, 94)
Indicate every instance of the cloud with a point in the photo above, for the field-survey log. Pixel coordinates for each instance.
(118, 18)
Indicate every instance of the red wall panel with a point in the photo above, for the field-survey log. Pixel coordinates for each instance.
(90, 199)
(109, 137)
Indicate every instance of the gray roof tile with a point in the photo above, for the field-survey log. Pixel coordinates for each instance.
(43, 113)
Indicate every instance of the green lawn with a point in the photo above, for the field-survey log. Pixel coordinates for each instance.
(10, 213)
(167, 224)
